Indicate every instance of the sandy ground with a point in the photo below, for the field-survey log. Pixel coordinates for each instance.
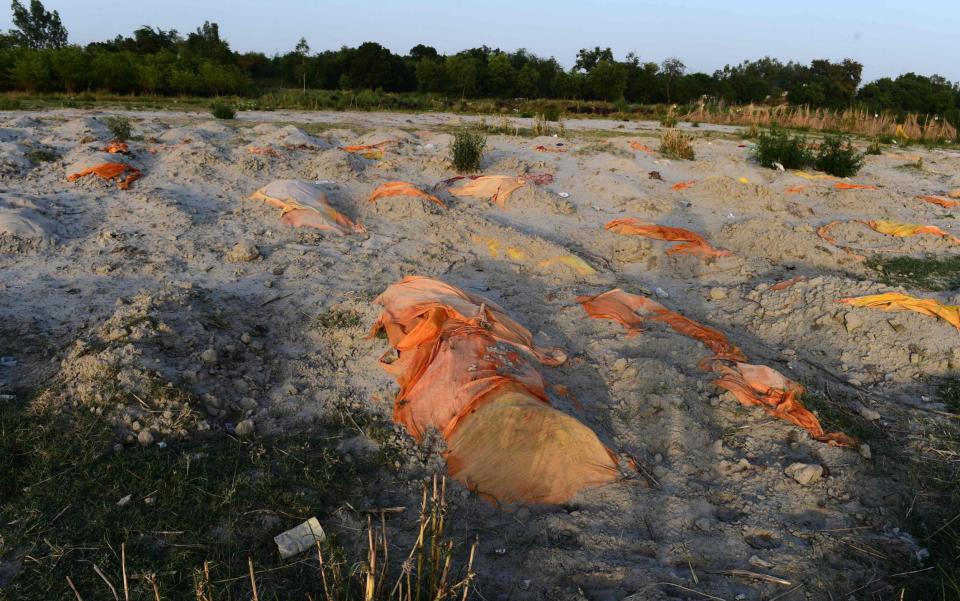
(136, 287)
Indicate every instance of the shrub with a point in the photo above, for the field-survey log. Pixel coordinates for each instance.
(777, 146)
(551, 113)
(751, 132)
(119, 127)
(874, 148)
(838, 157)
(467, 150)
(676, 145)
(668, 120)
(42, 155)
(9, 104)
(223, 111)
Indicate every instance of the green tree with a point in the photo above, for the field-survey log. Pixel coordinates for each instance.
(672, 69)
(528, 80)
(588, 59)
(463, 74)
(302, 50)
(37, 27)
(501, 76)
(607, 80)
(70, 68)
(31, 71)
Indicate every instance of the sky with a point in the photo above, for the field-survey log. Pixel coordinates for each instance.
(889, 38)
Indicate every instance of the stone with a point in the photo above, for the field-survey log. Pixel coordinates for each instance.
(145, 438)
(865, 451)
(718, 293)
(209, 356)
(243, 252)
(955, 193)
(869, 414)
(245, 428)
(804, 473)
(246, 338)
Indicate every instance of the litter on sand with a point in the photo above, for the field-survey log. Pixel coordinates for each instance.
(796, 189)
(543, 148)
(112, 171)
(300, 538)
(683, 185)
(461, 365)
(896, 301)
(304, 204)
(403, 189)
(263, 150)
(495, 188)
(846, 186)
(751, 384)
(117, 148)
(693, 243)
(813, 176)
(642, 147)
(903, 230)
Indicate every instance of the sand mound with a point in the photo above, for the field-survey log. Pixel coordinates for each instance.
(780, 242)
(336, 165)
(531, 198)
(403, 208)
(77, 129)
(22, 226)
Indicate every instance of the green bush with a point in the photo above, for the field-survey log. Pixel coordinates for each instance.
(838, 157)
(467, 150)
(874, 148)
(223, 111)
(551, 113)
(777, 146)
(9, 104)
(676, 145)
(119, 127)
(668, 120)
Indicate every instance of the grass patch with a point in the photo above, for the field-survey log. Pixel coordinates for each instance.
(338, 319)
(837, 156)
(466, 152)
(42, 155)
(927, 273)
(778, 146)
(119, 127)
(676, 145)
(209, 503)
(223, 111)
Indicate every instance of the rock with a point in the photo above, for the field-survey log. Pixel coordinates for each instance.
(804, 473)
(245, 428)
(145, 438)
(718, 293)
(248, 404)
(865, 451)
(852, 321)
(124, 500)
(955, 193)
(209, 356)
(243, 252)
(703, 524)
(246, 338)
(869, 414)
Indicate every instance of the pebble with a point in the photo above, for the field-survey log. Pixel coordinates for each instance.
(955, 193)
(865, 451)
(243, 252)
(718, 293)
(703, 524)
(209, 356)
(869, 414)
(804, 473)
(244, 428)
(246, 338)
(145, 438)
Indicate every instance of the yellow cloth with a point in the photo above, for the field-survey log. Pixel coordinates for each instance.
(895, 301)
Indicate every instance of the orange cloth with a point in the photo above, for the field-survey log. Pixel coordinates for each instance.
(776, 394)
(751, 384)
(365, 147)
(110, 171)
(895, 301)
(693, 243)
(846, 186)
(304, 204)
(683, 185)
(117, 148)
(796, 189)
(787, 283)
(939, 200)
(403, 189)
(641, 147)
(461, 370)
(266, 150)
(496, 188)
(543, 148)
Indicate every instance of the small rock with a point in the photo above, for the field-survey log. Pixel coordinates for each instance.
(246, 338)
(245, 428)
(915, 358)
(703, 524)
(209, 356)
(124, 500)
(718, 293)
(145, 438)
(243, 252)
(852, 321)
(865, 451)
(248, 404)
(869, 414)
(955, 193)
(804, 473)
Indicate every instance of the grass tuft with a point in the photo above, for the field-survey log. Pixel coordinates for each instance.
(676, 145)
(927, 273)
(467, 150)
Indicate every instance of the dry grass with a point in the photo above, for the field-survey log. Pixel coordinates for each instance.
(854, 121)
(676, 145)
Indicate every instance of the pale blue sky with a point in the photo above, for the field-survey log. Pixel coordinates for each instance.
(888, 37)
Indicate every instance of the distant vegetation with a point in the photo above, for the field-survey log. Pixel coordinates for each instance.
(35, 57)
(835, 155)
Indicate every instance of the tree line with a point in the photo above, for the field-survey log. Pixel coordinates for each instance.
(36, 57)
